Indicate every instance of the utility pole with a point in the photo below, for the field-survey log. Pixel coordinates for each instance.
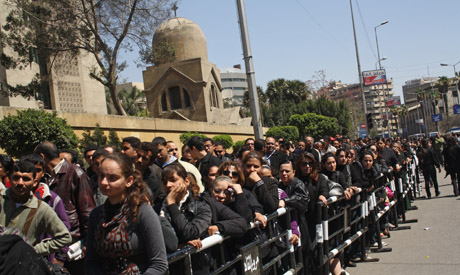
(250, 74)
(363, 96)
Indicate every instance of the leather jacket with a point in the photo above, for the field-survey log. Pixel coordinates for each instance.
(72, 185)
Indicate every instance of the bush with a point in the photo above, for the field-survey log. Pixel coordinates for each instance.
(186, 136)
(20, 134)
(98, 138)
(237, 146)
(290, 133)
(226, 140)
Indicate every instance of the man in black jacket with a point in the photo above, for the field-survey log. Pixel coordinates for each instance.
(204, 159)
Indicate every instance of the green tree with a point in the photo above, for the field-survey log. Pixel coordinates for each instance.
(314, 125)
(96, 138)
(396, 110)
(130, 101)
(103, 29)
(226, 140)
(290, 133)
(20, 133)
(113, 139)
(247, 101)
(286, 90)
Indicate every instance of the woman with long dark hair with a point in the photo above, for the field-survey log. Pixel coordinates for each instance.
(124, 234)
(306, 169)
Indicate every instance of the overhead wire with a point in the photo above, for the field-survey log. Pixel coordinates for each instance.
(365, 30)
(338, 42)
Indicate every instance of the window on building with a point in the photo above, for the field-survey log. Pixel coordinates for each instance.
(186, 96)
(213, 97)
(164, 105)
(174, 97)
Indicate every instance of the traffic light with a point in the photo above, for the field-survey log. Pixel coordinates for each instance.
(370, 123)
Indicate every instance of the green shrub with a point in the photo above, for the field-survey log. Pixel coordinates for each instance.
(237, 146)
(226, 140)
(19, 134)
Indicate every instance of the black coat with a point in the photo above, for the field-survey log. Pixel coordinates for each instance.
(275, 161)
(361, 177)
(192, 220)
(266, 193)
(246, 205)
(228, 222)
(452, 158)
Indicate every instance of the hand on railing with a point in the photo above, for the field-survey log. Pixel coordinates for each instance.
(323, 200)
(196, 243)
(213, 229)
(260, 218)
(294, 239)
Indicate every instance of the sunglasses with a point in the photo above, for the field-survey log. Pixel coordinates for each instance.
(24, 178)
(308, 163)
(226, 191)
(227, 173)
(173, 149)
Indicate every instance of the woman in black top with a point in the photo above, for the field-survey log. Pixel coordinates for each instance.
(265, 189)
(363, 171)
(306, 169)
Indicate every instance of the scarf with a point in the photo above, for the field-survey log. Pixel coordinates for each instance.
(113, 242)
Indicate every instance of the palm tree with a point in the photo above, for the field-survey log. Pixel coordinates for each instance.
(276, 90)
(395, 110)
(131, 101)
(297, 90)
(443, 88)
(403, 113)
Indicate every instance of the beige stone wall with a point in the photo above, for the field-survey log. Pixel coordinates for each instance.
(146, 128)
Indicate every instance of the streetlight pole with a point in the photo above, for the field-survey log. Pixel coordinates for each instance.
(380, 67)
(256, 119)
(363, 96)
(377, 41)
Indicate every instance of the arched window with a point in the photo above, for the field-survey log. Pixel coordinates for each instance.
(178, 97)
(164, 104)
(186, 97)
(174, 98)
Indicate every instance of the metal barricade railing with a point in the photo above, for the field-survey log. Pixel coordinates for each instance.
(351, 215)
(351, 220)
(248, 258)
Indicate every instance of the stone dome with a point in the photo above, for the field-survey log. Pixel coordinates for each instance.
(185, 36)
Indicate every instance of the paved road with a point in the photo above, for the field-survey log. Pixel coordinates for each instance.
(431, 246)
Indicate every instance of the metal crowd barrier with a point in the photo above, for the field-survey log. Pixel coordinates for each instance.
(248, 259)
(338, 225)
(357, 216)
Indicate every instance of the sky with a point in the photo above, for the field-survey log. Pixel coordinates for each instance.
(293, 39)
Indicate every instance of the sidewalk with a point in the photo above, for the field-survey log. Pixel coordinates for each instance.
(431, 246)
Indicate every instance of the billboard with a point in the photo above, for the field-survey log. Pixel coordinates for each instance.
(375, 77)
(395, 100)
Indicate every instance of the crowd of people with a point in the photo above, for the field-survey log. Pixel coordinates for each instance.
(133, 205)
